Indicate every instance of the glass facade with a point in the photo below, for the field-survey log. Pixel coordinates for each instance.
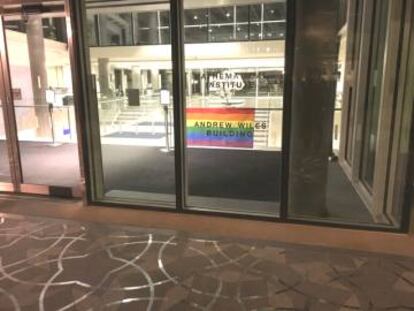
(4, 160)
(328, 182)
(134, 104)
(42, 93)
(117, 30)
(257, 22)
(234, 114)
(373, 101)
(260, 108)
(196, 25)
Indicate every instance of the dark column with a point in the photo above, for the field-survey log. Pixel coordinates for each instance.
(153, 26)
(37, 57)
(314, 85)
(189, 77)
(103, 76)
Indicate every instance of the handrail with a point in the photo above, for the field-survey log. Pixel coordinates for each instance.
(37, 106)
(108, 100)
(170, 107)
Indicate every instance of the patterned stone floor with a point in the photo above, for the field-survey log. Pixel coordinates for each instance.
(50, 264)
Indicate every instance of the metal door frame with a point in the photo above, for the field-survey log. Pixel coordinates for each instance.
(17, 184)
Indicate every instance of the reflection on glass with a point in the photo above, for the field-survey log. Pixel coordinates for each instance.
(165, 27)
(195, 28)
(325, 183)
(221, 26)
(274, 20)
(4, 160)
(256, 22)
(146, 25)
(134, 96)
(256, 29)
(319, 187)
(115, 29)
(242, 23)
(234, 111)
(54, 29)
(92, 22)
(42, 96)
(374, 96)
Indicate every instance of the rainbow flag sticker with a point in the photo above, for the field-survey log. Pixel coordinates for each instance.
(220, 127)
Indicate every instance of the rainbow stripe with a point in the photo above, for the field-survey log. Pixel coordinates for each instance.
(220, 127)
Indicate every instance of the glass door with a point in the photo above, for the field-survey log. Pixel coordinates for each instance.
(38, 86)
(132, 102)
(234, 124)
(4, 159)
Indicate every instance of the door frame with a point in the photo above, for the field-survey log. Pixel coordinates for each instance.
(353, 124)
(9, 118)
(17, 184)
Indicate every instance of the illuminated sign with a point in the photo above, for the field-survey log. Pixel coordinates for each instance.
(222, 127)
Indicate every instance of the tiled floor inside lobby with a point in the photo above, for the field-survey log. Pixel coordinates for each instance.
(51, 264)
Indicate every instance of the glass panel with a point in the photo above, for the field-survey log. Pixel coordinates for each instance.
(115, 29)
(374, 95)
(4, 159)
(195, 25)
(234, 120)
(261, 21)
(324, 184)
(92, 30)
(256, 25)
(222, 24)
(402, 143)
(146, 25)
(353, 57)
(242, 23)
(42, 95)
(55, 29)
(274, 21)
(165, 27)
(319, 188)
(134, 96)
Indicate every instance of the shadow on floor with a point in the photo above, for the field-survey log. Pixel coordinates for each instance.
(245, 175)
(45, 164)
(223, 174)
